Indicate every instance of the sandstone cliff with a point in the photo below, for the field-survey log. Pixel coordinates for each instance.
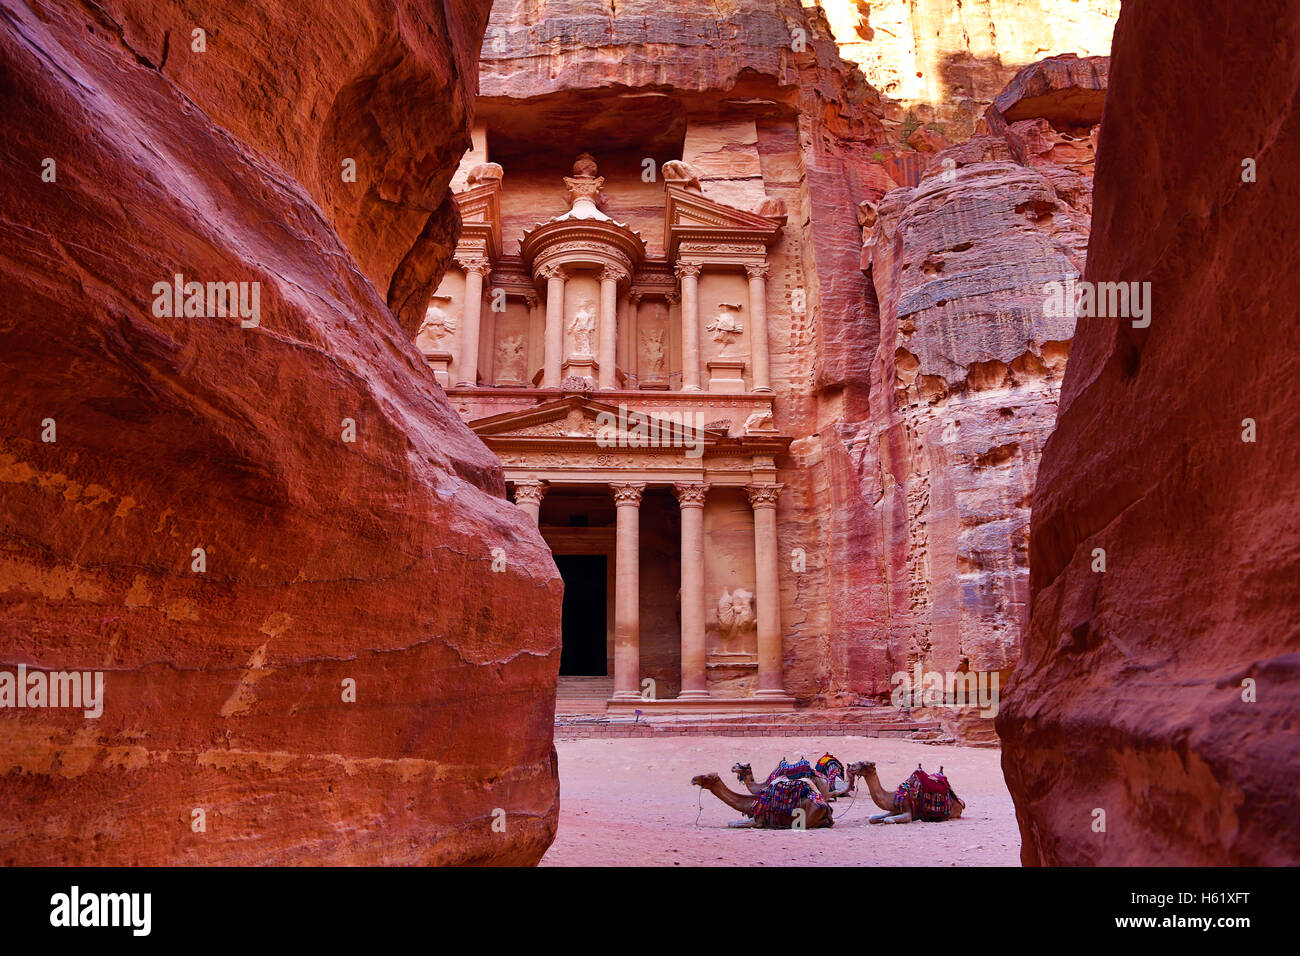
(388, 566)
(936, 478)
(1151, 718)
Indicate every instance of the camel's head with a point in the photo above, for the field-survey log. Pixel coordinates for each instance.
(706, 780)
(957, 806)
(742, 770)
(861, 768)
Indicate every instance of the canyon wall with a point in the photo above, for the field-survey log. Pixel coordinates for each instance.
(1151, 719)
(325, 635)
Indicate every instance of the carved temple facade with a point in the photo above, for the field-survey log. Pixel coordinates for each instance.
(625, 380)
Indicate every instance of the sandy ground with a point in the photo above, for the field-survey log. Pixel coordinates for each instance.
(629, 802)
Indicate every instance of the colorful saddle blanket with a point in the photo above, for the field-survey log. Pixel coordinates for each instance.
(774, 807)
(793, 771)
(831, 769)
(927, 796)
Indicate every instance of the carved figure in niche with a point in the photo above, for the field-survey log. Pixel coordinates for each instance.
(652, 345)
(725, 327)
(735, 612)
(437, 324)
(510, 359)
(583, 328)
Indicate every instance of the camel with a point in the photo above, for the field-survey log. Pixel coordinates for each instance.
(745, 774)
(884, 799)
(815, 815)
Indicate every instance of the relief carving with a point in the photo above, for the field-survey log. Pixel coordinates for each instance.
(736, 612)
(655, 352)
(583, 329)
(725, 327)
(437, 326)
(511, 359)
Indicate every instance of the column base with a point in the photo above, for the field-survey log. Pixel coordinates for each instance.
(770, 694)
(694, 695)
(626, 696)
(763, 389)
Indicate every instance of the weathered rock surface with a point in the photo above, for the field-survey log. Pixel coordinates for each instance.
(1129, 694)
(326, 561)
(963, 396)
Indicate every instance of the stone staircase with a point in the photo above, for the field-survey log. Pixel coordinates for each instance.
(582, 696)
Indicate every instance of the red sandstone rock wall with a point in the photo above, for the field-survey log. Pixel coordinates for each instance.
(963, 396)
(1129, 695)
(936, 477)
(327, 561)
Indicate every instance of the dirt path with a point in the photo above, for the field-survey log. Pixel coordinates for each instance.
(630, 802)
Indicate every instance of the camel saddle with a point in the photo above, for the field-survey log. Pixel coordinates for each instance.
(791, 771)
(774, 807)
(830, 768)
(927, 796)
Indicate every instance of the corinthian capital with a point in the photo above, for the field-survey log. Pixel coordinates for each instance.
(764, 495)
(690, 494)
(476, 264)
(552, 271)
(627, 492)
(530, 492)
(757, 270)
(684, 269)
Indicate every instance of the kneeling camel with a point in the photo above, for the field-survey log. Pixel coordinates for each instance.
(815, 814)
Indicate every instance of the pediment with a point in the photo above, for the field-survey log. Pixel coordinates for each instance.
(690, 216)
(584, 420)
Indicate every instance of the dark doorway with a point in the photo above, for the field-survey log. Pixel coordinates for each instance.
(583, 618)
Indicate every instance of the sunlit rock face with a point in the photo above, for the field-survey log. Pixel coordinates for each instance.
(938, 64)
(1152, 716)
(325, 635)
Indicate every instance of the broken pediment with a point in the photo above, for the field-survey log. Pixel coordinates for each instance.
(695, 219)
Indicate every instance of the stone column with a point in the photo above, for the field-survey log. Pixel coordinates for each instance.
(758, 327)
(631, 337)
(607, 349)
(528, 496)
(476, 272)
(627, 590)
(695, 682)
(551, 364)
(689, 274)
(771, 682)
(534, 303)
